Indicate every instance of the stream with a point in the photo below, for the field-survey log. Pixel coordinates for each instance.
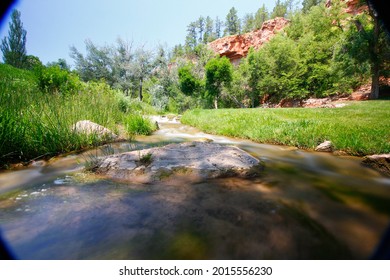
(306, 205)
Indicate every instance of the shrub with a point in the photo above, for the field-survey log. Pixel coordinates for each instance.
(138, 125)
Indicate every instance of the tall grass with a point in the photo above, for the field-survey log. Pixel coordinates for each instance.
(358, 129)
(35, 124)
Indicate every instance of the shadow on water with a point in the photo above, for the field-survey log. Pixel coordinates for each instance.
(305, 206)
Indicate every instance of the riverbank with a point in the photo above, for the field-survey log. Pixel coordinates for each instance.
(359, 129)
(38, 122)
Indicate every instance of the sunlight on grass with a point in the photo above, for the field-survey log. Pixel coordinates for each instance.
(359, 129)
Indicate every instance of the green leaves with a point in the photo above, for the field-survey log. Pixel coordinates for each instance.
(189, 84)
(219, 73)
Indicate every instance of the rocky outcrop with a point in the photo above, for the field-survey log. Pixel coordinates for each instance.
(353, 7)
(194, 160)
(236, 47)
(89, 128)
(380, 163)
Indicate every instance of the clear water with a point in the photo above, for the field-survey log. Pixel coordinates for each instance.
(305, 206)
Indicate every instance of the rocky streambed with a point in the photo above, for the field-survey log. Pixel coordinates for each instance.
(184, 194)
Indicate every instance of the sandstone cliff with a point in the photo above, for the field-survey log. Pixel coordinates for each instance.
(236, 47)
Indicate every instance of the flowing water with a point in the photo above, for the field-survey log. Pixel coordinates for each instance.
(305, 206)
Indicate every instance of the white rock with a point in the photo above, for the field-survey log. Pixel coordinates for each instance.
(326, 146)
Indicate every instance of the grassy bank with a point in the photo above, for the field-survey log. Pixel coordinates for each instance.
(361, 128)
(38, 123)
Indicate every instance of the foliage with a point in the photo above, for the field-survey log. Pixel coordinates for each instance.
(189, 84)
(55, 80)
(35, 124)
(233, 23)
(353, 129)
(14, 46)
(97, 65)
(60, 63)
(138, 125)
(307, 4)
(218, 74)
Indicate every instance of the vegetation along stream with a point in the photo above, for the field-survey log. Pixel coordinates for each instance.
(305, 206)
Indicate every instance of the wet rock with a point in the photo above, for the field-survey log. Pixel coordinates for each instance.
(195, 160)
(326, 146)
(89, 128)
(380, 163)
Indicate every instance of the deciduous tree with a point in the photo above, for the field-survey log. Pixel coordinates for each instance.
(218, 74)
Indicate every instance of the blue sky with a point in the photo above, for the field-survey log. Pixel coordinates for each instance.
(53, 26)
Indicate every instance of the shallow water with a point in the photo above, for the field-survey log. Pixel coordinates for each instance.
(305, 206)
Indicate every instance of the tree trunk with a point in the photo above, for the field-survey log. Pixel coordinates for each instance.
(216, 102)
(374, 94)
(140, 89)
(375, 64)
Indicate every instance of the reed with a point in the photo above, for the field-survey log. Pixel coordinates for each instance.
(35, 123)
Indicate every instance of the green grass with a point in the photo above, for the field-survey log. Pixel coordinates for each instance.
(138, 125)
(35, 123)
(361, 128)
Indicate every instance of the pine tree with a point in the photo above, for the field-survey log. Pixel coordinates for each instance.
(307, 4)
(232, 24)
(191, 39)
(14, 46)
(201, 28)
(261, 16)
(218, 27)
(248, 23)
(209, 36)
(280, 9)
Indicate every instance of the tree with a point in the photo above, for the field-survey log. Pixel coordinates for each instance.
(122, 62)
(14, 46)
(191, 38)
(248, 23)
(142, 67)
(97, 65)
(209, 36)
(375, 49)
(218, 74)
(260, 17)
(32, 62)
(188, 83)
(307, 4)
(218, 27)
(201, 28)
(280, 9)
(366, 43)
(232, 24)
(61, 62)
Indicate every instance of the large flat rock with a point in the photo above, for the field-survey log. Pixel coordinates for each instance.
(195, 160)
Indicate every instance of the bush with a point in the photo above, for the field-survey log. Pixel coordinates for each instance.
(55, 80)
(138, 125)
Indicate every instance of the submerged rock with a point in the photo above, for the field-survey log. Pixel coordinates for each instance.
(380, 163)
(326, 146)
(195, 160)
(89, 127)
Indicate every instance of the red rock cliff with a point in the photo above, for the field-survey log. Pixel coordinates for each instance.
(236, 47)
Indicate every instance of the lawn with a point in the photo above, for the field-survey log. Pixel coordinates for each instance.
(361, 128)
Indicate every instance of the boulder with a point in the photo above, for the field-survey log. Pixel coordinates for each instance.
(326, 146)
(380, 163)
(88, 127)
(195, 160)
